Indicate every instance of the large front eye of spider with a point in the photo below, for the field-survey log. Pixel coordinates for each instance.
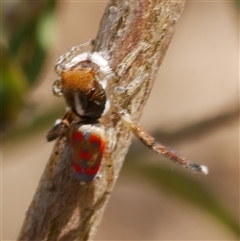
(85, 64)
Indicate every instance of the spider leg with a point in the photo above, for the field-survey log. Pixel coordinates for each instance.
(132, 87)
(167, 152)
(143, 136)
(128, 91)
(129, 59)
(64, 58)
(62, 125)
(58, 131)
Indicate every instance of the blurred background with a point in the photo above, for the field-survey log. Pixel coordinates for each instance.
(193, 107)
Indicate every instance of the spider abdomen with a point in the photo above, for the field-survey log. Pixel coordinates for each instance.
(88, 145)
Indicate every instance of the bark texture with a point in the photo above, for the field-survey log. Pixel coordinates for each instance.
(69, 210)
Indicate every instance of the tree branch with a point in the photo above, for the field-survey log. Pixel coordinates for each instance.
(69, 210)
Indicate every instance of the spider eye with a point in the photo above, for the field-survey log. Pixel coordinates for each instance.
(84, 65)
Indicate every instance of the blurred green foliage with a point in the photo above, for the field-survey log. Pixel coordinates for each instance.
(27, 27)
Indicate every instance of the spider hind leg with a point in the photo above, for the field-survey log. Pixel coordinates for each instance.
(160, 149)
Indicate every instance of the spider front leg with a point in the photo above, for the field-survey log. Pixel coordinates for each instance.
(124, 95)
(129, 59)
(151, 143)
(65, 58)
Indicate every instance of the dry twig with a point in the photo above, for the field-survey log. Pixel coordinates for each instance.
(71, 211)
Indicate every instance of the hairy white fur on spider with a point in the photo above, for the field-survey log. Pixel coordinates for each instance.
(101, 60)
(97, 58)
